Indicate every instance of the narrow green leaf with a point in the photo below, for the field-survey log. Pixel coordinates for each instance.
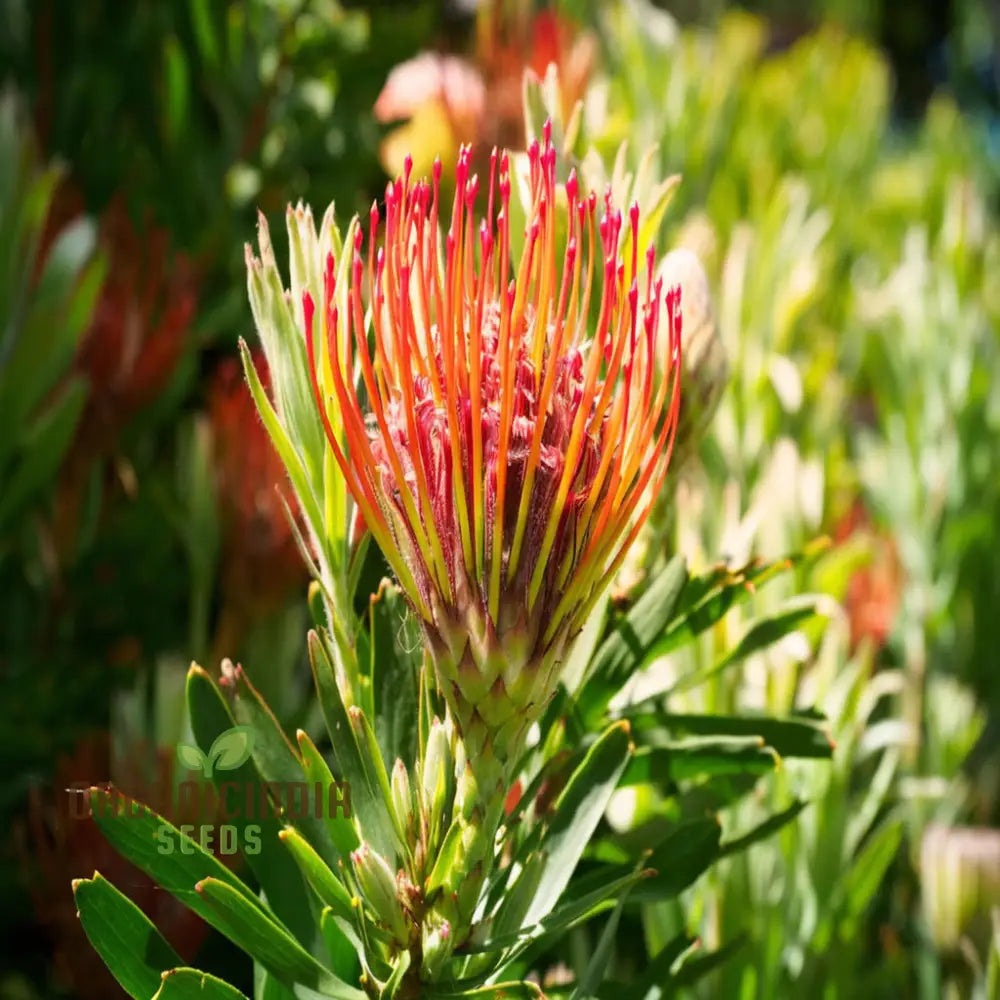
(375, 769)
(337, 796)
(447, 854)
(708, 598)
(278, 761)
(130, 946)
(336, 932)
(277, 873)
(256, 932)
(790, 736)
(290, 458)
(371, 809)
(330, 890)
(268, 987)
(759, 635)
(190, 984)
(586, 898)
(515, 899)
(699, 966)
(394, 982)
(677, 760)
(763, 830)
(680, 859)
(396, 654)
(598, 965)
(171, 858)
(862, 879)
(577, 812)
(650, 985)
(623, 651)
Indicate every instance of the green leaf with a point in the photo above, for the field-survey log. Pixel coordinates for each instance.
(677, 760)
(577, 812)
(513, 899)
(759, 635)
(394, 982)
(345, 947)
(791, 736)
(171, 858)
(278, 761)
(698, 966)
(763, 830)
(190, 984)
(680, 859)
(232, 748)
(43, 447)
(396, 655)
(651, 984)
(861, 881)
(329, 889)
(584, 898)
(632, 637)
(337, 814)
(257, 933)
(448, 853)
(176, 88)
(370, 808)
(290, 458)
(128, 943)
(598, 965)
(709, 597)
(277, 873)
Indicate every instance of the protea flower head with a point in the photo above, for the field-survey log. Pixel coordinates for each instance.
(508, 434)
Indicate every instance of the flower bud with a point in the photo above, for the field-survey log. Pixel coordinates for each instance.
(402, 795)
(960, 875)
(437, 942)
(703, 357)
(437, 761)
(378, 885)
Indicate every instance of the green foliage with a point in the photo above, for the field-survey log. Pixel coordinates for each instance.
(849, 263)
(561, 862)
(47, 296)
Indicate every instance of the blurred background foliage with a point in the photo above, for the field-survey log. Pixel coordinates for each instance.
(841, 184)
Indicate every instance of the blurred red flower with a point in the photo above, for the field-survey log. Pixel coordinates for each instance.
(448, 100)
(873, 591)
(261, 562)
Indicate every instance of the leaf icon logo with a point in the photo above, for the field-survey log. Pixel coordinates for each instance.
(230, 749)
(193, 759)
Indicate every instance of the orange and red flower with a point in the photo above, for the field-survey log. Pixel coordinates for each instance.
(509, 433)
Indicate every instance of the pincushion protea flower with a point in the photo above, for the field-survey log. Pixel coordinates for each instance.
(508, 435)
